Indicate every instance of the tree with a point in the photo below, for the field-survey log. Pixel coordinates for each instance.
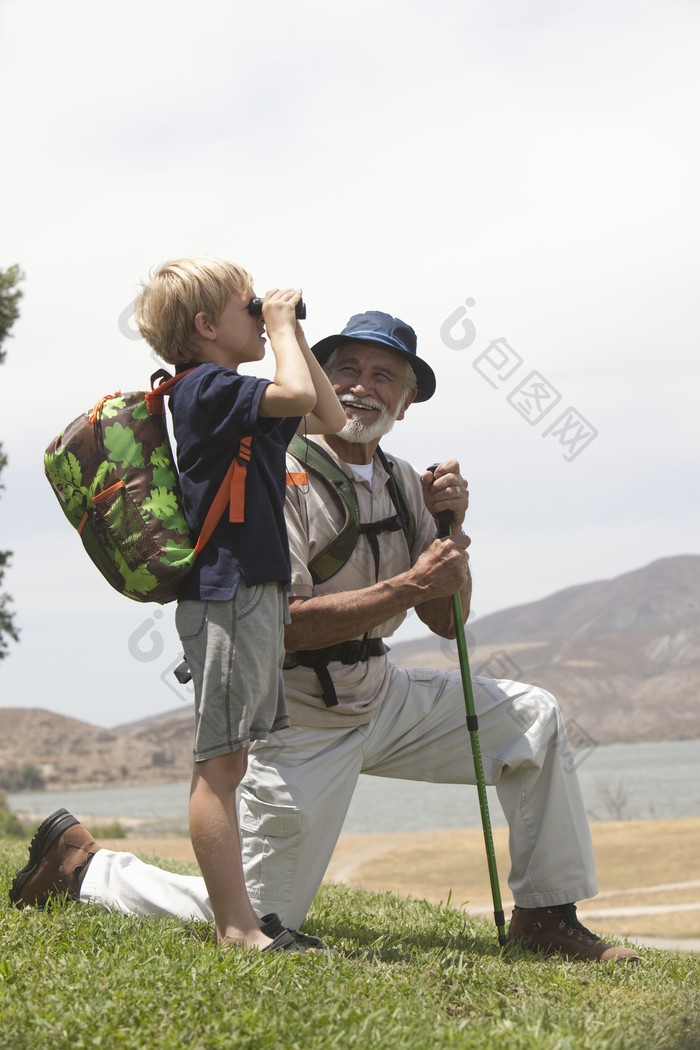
(10, 295)
(10, 826)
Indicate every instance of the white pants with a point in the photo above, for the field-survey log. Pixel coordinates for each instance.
(299, 784)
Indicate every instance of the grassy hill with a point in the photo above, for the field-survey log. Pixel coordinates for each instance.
(409, 975)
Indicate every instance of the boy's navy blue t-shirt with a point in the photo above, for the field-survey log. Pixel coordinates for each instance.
(213, 408)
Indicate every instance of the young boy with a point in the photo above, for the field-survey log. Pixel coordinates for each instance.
(232, 607)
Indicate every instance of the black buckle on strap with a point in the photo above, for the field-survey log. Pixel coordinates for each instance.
(357, 651)
(354, 652)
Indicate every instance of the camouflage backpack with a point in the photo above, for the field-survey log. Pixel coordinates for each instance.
(114, 474)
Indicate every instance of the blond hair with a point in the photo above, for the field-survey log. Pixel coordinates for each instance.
(180, 289)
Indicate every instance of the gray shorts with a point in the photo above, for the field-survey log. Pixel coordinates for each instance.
(235, 651)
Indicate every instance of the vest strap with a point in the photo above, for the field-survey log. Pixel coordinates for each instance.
(356, 651)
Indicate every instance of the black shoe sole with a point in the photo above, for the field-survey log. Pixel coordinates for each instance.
(44, 837)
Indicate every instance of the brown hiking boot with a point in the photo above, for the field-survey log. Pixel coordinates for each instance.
(557, 929)
(58, 856)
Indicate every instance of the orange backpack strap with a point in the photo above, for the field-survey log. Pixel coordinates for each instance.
(239, 466)
(215, 512)
(96, 409)
(231, 492)
(232, 489)
(155, 397)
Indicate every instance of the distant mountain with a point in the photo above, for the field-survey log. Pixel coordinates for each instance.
(70, 753)
(661, 598)
(622, 656)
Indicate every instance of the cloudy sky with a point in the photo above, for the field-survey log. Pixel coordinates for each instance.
(517, 180)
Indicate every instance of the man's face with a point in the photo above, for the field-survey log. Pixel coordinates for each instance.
(370, 382)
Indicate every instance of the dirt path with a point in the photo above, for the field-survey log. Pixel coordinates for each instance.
(647, 871)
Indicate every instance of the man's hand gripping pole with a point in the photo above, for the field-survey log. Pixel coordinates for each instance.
(444, 520)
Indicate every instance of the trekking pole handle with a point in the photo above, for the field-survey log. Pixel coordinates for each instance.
(444, 520)
(444, 517)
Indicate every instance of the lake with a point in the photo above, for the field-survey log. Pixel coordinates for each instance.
(619, 782)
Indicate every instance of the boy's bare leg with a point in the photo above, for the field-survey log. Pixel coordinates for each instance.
(216, 843)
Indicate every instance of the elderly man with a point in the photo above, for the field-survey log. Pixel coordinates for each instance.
(365, 550)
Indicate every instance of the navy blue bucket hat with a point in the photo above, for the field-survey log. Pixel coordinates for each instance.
(389, 332)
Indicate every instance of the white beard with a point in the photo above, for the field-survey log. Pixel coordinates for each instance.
(356, 431)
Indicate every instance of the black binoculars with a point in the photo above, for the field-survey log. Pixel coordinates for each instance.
(255, 308)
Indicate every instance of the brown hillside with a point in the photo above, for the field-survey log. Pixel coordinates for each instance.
(622, 657)
(657, 602)
(70, 753)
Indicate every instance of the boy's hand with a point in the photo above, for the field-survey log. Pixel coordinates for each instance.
(278, 310)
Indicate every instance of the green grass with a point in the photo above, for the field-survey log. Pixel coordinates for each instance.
(410, 975)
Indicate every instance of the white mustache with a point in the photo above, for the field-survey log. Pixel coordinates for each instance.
(360, 402)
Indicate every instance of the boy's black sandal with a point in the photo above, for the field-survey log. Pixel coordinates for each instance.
(284, 942)
(272, 926)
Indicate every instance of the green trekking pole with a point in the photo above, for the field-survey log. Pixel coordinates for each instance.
(444, 519)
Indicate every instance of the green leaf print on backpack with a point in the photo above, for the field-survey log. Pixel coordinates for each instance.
(104, 476)
(163, 504)
(113, 407)
(164, 473)
(141, 580)
(123, 446)
(161, 456)
(65, 469)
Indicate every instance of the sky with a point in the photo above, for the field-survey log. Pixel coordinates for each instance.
(517, 180)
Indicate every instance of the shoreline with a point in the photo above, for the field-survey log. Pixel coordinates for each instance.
(647, 872)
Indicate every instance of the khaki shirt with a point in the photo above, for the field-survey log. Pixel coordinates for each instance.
(313, 519)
